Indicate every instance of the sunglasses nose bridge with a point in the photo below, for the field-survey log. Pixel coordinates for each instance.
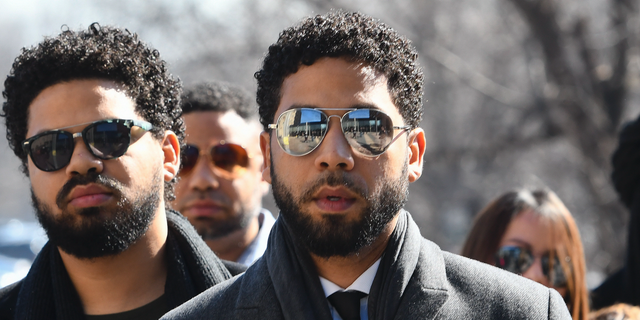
(535, 273)
(333, 116)
(226, 168)
(339, 118)
(204, 157)
(201, 175)
(334, 152)
(83, 141)
(82, 159)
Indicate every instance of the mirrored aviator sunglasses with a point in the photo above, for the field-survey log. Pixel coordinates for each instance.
(229, 160)
(519, 260)
(105, 139)
(369, 132)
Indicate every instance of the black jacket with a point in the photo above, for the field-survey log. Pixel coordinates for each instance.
(47, 292)
(415, 280)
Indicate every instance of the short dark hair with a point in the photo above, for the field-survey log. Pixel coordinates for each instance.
(350, 35)
(100, 52)
(221, 97)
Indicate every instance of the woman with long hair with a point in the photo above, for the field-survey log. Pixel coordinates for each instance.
(532, 233)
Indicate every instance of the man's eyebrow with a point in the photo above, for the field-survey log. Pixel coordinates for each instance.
(301, 106)
(366, 106)
(59, 129)
(354, 106)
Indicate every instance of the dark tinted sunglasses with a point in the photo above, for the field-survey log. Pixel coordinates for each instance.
(368, 131)
(105, 139)
(518, 260)
(229, 160)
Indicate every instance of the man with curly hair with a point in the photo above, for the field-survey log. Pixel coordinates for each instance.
(340, 99)
(94, 116)
(221, 187)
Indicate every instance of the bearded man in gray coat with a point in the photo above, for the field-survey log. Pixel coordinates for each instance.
(343, 247)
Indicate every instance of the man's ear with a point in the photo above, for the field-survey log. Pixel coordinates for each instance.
(265, 146)
(171, 151)
(417, 145)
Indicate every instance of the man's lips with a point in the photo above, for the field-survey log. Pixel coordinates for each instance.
(337, 199)
(203, 209)
(90, 195)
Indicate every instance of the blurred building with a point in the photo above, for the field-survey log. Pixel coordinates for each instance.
(20, 242)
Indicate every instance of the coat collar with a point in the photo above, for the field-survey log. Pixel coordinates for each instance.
(416, 279)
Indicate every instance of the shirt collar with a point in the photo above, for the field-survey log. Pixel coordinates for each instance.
(258, 246)
(362, 284)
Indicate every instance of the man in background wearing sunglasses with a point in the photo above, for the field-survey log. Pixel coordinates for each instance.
(340, 99)
(221, 188)
(94, 117)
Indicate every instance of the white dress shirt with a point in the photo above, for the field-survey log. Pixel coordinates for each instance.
(362, 284)
(256, 249)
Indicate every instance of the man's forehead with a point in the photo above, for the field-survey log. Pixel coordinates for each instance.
(366, 70)
(78, 101)
(337, 83)
(209, 127)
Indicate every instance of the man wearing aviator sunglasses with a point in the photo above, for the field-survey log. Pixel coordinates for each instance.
(221, 188)
(340, 100)
(94, 117)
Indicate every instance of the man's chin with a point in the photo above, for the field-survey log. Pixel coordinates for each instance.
(335, 235)
(212, 228)
(218, 232)
(101, 231)
(91, 212)
(205, 225)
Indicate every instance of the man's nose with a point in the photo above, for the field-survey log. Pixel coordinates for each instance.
(334, 152)
(202, 177)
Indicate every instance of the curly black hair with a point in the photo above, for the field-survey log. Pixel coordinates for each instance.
(221, 97)
(100, 52)
(343, 34)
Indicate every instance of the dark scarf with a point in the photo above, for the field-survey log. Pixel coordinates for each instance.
(48, 293)
(298, 287)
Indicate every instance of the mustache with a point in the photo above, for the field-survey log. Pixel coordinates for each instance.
(335, 179)
(213, 195)
(92, 177)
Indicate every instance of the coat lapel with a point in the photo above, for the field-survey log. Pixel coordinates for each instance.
(428, 290)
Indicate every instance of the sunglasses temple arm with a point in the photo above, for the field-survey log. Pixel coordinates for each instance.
(407, 129)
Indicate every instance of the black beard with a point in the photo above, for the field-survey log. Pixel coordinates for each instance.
(98, 231)
(215, 229)
(334, 236)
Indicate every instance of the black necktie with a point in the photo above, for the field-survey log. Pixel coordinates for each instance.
(347, 303)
